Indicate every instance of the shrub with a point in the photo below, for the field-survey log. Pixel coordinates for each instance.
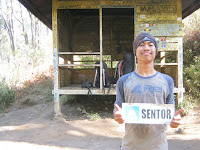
(7, 96)
(188, 104)
(191, 54)
(192, 78)
(191, 43)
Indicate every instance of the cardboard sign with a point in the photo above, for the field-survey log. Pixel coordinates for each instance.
(144, 113)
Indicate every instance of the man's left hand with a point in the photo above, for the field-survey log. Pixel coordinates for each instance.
(177, 119)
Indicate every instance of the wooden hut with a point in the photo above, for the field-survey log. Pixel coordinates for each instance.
(90, 31)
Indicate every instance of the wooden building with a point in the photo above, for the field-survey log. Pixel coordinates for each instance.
(87, 31)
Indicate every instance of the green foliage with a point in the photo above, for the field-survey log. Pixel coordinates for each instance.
(40, 85)
(191, 54)
(191, 43)
(91, 116)
(92, 59)
(68, 99)
(188, 104)
(192, 78)
(7, 96)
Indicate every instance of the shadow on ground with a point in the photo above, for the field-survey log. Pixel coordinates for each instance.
(36, 127)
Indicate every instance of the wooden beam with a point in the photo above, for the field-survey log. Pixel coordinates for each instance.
(95, 91)
(190, 9)
(85, 65)
(79, 53)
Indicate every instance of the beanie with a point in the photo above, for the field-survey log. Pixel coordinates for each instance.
(144, 37)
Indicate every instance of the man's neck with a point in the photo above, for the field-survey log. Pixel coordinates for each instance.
(145, 70)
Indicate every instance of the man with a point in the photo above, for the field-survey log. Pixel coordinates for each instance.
(132, 88)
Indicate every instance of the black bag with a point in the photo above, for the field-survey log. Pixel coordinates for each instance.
(129, 62)
(87, 85)
(125, 66)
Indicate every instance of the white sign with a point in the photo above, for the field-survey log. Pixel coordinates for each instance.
(144, 113)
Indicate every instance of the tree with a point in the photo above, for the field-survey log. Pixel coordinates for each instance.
(191, 59)
(191, 38)
(9, 24)
(23, 26)
(22, 44)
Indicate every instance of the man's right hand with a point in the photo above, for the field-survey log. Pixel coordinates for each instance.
(118, 114)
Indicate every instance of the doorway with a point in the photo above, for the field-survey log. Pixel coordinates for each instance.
(117, 35)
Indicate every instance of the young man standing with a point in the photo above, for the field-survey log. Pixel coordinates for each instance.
(145, 85)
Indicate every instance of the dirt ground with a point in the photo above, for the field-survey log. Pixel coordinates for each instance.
(35, 128)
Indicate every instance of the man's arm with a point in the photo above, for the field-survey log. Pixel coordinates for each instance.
(170, 100)
(120, 99)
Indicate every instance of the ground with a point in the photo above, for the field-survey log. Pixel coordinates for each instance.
(31, 128)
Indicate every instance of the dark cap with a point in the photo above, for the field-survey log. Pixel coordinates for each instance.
(142, 37)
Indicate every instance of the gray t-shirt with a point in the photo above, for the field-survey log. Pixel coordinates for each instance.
(157, 89)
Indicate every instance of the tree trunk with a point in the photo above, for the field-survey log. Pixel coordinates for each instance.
(32, 30)
(12, 28)
(0, 50)
(9, 25)
(36, 33)
(23, 28)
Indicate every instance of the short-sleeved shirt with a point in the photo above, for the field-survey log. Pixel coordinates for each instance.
(157, 89)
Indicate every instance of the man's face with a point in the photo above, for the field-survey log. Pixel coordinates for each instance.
(146, 52)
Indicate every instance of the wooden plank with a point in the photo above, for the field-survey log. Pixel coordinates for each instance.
(167, 50)
(118, 3)
(166, 64)
(78, 4)
(86, 61)
(79, 53)
(178, 90)
(95, 91)
(77, 90)
(94, 4)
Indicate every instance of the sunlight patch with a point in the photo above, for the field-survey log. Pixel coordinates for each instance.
(21, 127)
(30, 146)
(76, 133)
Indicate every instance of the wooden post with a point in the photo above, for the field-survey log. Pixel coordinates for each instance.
(180, 73)
(57, 109)
(162, 54)
(101, 47)
(181, 89)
